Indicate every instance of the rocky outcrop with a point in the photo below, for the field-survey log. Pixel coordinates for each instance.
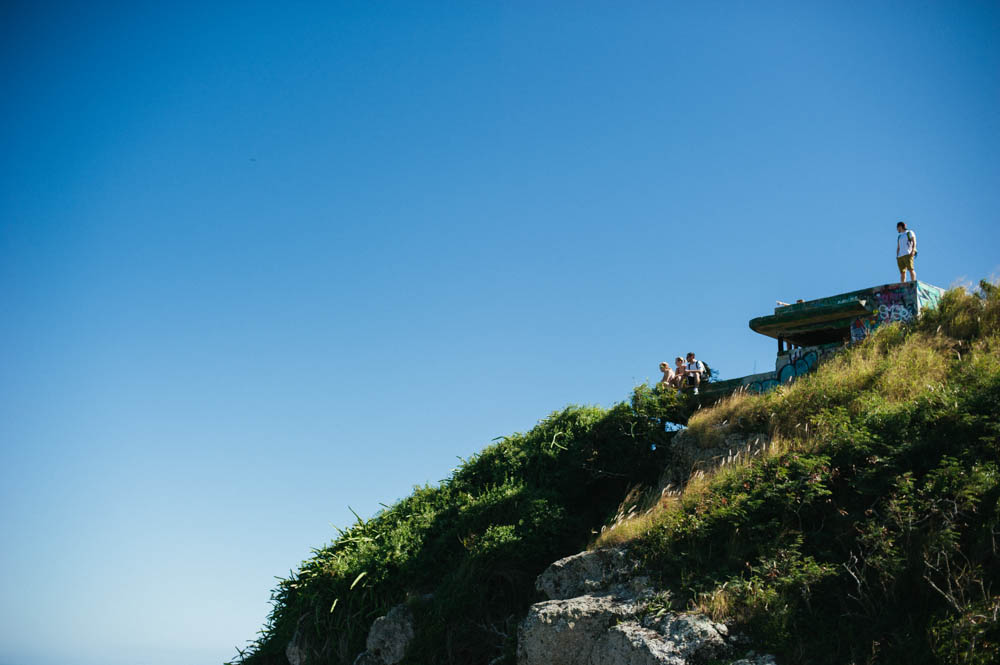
(388, 638)
(566, 631)
(599, 614)
(670, 639)
(585, 573)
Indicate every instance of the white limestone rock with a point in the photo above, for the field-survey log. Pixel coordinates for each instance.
(388, 638)
(586, 572)
(565, 631)
(670, 640)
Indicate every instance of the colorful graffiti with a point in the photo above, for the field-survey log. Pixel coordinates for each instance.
(761, 386)
(797, 366)
(861, 328)
(928, 296)
(790, 366)
(802, 361)
(892, 303)
(898, 303)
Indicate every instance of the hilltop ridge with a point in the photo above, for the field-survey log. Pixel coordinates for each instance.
(852, 516)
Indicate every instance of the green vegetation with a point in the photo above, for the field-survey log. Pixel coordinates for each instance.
(867, 532)
(468, 552)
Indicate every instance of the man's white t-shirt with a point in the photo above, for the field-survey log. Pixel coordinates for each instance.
(905, 242)
(695, 366)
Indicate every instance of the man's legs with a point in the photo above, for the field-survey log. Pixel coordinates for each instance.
(905, 263)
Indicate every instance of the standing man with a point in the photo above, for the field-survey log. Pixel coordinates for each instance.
(906, 251)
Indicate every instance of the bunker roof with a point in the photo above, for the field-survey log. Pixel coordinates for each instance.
(830, 319)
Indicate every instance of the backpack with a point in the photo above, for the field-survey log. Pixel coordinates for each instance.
(912, 236)
(707, 374)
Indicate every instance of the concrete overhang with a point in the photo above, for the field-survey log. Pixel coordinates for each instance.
(817, 316)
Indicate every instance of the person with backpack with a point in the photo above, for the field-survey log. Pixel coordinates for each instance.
(693, 372)
(906, 252)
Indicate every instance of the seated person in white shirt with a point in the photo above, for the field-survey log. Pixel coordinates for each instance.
(693, 371)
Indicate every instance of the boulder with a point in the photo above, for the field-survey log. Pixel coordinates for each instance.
(585, 573)
(687, 638)
(565, 631)
(599, 615)
(388, 638)
(608, 629)
(628, 644)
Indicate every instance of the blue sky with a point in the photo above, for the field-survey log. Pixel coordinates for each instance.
(261, 262)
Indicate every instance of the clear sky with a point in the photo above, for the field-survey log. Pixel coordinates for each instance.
(260, 262)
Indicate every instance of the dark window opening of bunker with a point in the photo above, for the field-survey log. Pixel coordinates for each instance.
(814, 338)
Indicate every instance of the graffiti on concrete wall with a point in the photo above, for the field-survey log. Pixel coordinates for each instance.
(798, 364)
(790, 366)
(894, 313)
(894, 304)
(861, 327)
(802, 361)
(760, 386)
(928, 296)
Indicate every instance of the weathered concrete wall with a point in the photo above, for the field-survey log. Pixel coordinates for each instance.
(895, 303)
(889, 303)
(759, 383)
(802, 360)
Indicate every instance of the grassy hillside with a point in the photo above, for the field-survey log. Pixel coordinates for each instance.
(466, 553)
(867, 532)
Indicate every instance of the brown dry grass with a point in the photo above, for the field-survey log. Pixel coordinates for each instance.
(896, 366)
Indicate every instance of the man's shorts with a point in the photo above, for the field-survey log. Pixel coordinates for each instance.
(905, 262)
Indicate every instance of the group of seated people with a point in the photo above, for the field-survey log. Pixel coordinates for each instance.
(684, 375)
